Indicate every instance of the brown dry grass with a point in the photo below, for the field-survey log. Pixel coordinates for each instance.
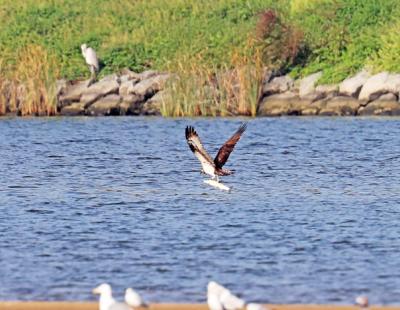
(28, 87)
(201, 90)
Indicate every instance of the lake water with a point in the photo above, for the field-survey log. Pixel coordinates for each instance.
(313, 216)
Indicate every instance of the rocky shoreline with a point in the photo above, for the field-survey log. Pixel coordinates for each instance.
(360, 95)
(130, 93)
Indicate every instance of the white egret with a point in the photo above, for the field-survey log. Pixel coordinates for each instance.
(92, 61)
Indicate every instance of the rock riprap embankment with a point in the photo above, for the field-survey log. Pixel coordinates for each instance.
(363, 94)
(126, 94)
(130, 93)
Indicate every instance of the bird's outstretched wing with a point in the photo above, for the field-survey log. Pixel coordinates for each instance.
(196, 147)
(227, 148)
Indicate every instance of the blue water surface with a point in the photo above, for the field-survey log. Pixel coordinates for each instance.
(313, 216)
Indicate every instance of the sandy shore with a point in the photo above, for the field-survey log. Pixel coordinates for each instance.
(94, 306)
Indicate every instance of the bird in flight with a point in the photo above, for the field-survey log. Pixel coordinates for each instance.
(210, 166)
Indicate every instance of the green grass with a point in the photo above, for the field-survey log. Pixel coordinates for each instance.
(128, 33)
(341, 36)
(344, 36)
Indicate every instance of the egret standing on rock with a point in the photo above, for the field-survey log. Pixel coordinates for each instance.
(93, 62)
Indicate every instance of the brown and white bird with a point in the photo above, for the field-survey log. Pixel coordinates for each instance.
(209, 166)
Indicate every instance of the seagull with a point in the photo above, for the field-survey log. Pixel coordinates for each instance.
(215, 288)
(106, 301)
(93, 62)
(209, 166)
(214, 291)
(362, 301)
(221, 298)
(133, 299)
(213, 302)
(230, 301)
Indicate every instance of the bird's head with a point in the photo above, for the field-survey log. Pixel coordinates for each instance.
(83, 47)
(102, 289)
(129, 291)
(214, 288)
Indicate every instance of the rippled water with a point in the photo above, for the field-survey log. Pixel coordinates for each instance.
(313, 216)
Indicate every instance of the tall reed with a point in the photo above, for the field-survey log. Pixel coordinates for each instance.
(3, 90)
(203, 90)
(34, 82)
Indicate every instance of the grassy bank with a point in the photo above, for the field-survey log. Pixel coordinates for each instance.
(188, 36)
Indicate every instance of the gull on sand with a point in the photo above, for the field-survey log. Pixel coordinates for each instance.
(133, 299)
(221, 298)
(106, 301)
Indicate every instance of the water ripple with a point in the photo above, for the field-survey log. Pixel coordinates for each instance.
(312, 199)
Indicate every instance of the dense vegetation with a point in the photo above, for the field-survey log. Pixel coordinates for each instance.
(298, 36)
(339, 36)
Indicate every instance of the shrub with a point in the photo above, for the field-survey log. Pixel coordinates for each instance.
(278, 41)
(386, 57)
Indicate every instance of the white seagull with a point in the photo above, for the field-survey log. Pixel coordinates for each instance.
(106, 301)
(221, 298)
(230, 301)
(92, 61)
(133, 299)
(214, 291)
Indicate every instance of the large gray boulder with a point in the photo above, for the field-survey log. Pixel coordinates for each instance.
(277, 105)
(128, 75)
(153, 106)
(352, 85)
(100, 89)
(278, 85)
(72, 93)
(110, 77)
(148, 74)
(108, 105)
(299, 105)
(387, 97)
(314, 107)
(307, 85)
(147, 88)
(131, 105)
(379, 84)
(344, 106)
(381, 107)
(327, 90)
(126, 86)
(74, 109)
